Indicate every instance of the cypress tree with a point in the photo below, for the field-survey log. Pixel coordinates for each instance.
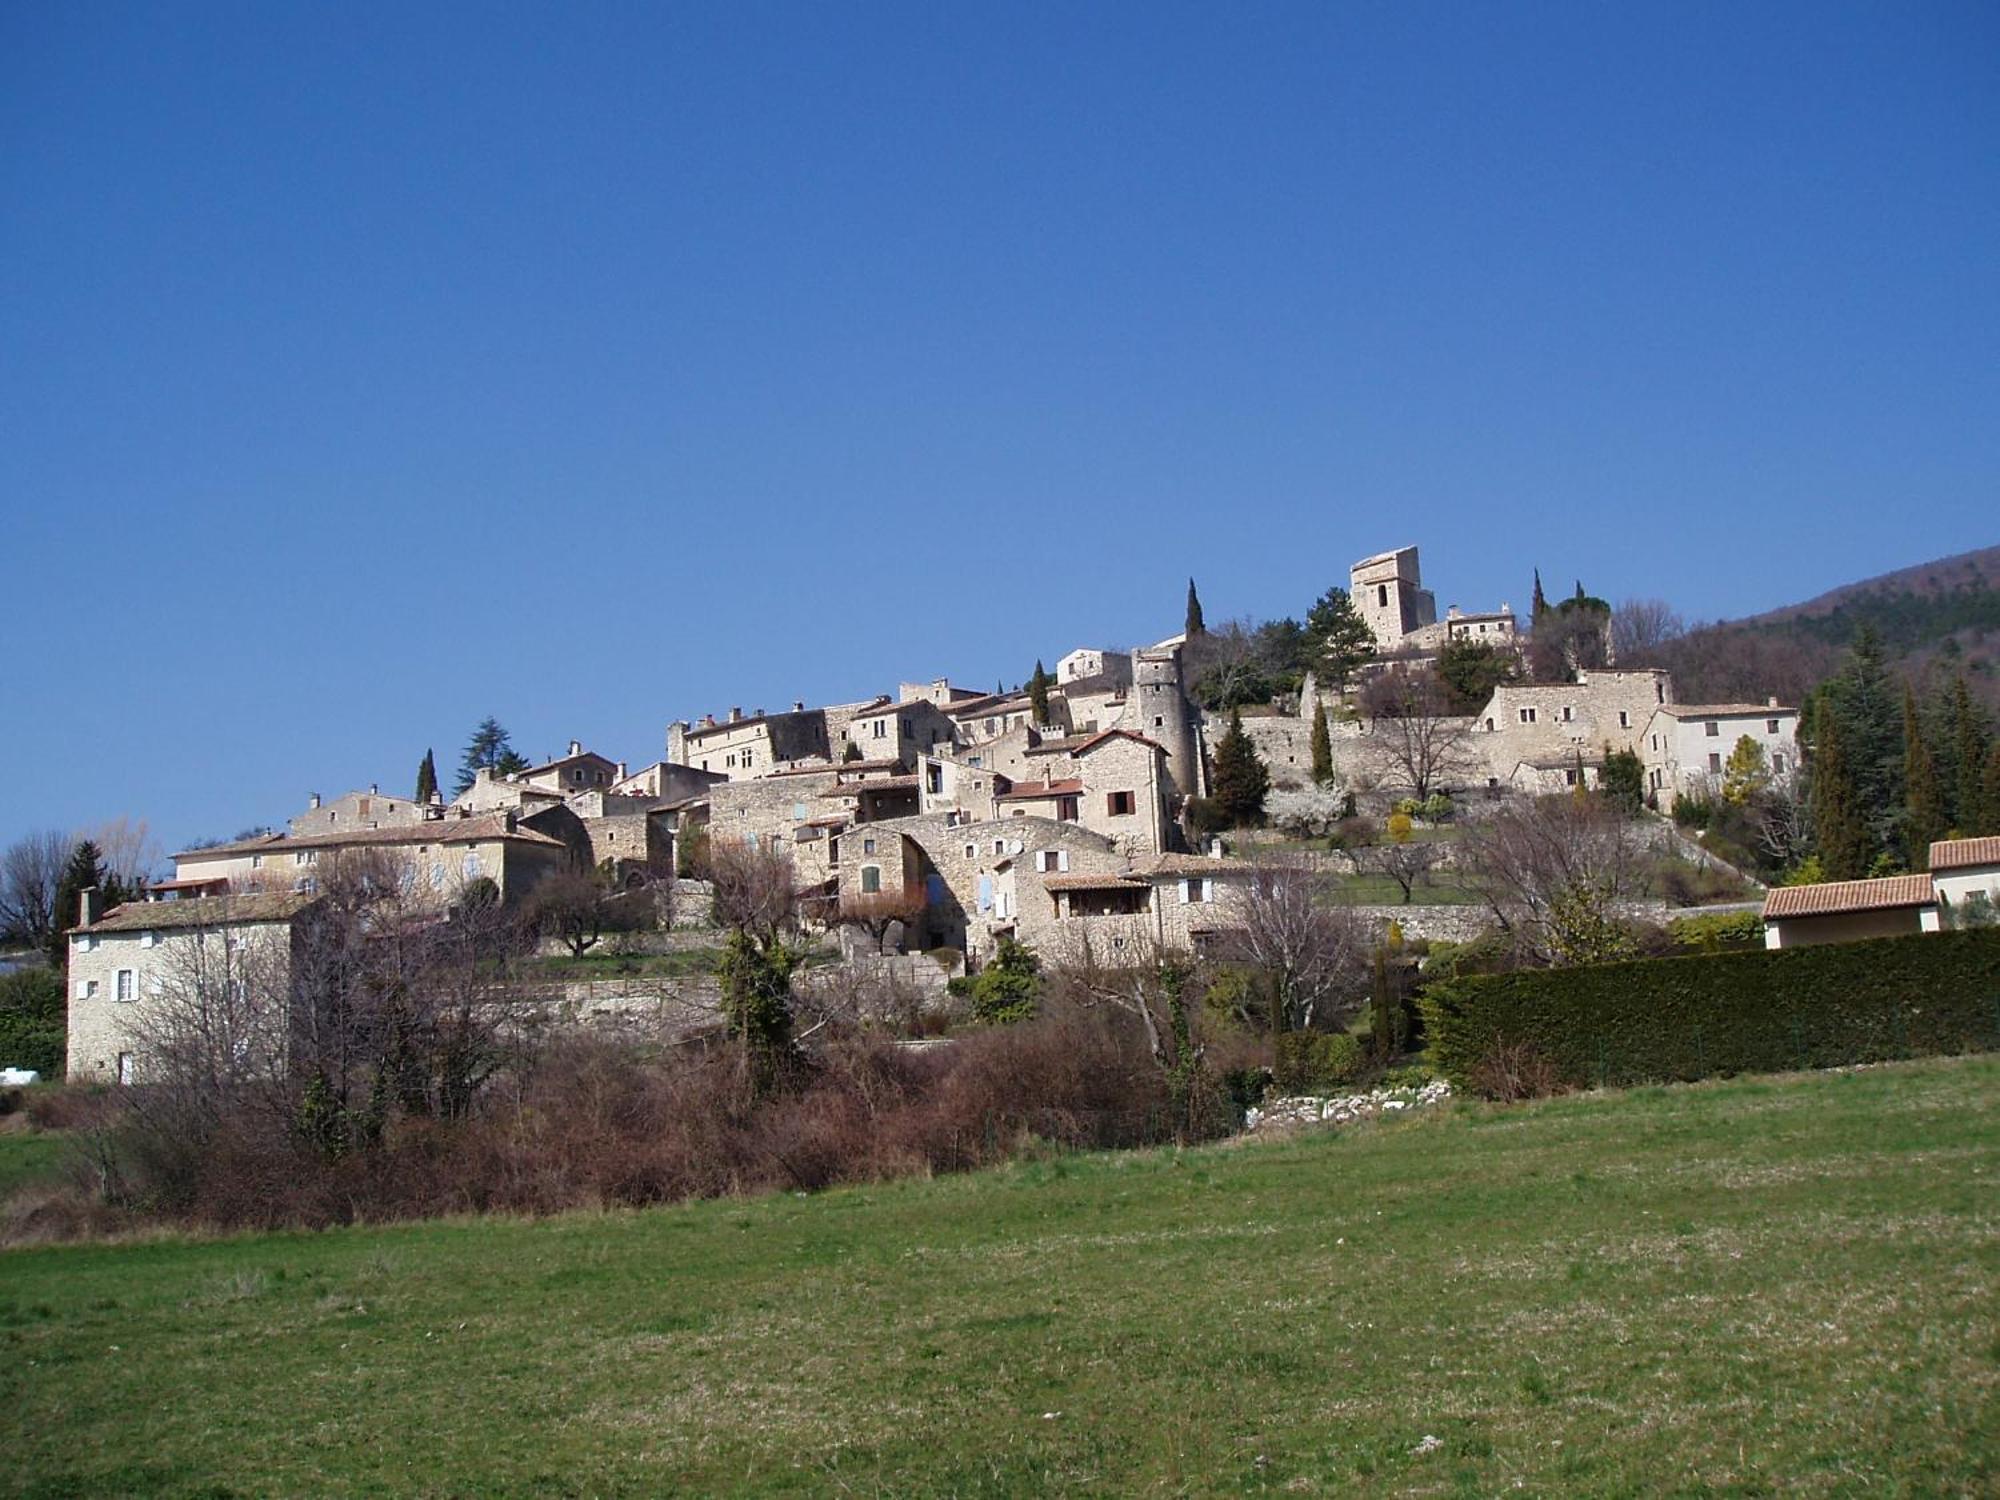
(1541, 604)
(1322, 747)
(1968, 742)
(1863, 698)
(1989, 796)
(1195, 626)
(1240, 780)
(1923, 797)
(1038, 694)
(1844, 846)
(427, 777)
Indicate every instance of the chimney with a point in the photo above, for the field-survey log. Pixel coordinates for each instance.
(735, 715)
(798, 705)
(89, 905)
(508, 819)
(620, 775)
(312, 802)
(758, 714)
(576, 747)
(374, 787)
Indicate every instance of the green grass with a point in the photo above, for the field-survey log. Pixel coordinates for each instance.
(603, 965)
(1739, 1288)
(1380, 890)
(29, 1156)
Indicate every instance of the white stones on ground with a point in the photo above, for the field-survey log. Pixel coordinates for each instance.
(1303, 1109)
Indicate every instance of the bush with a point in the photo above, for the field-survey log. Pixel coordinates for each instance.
(1311, 1062)
(1718, 932)
(33, 1021)
(1686, 1018)
(1512, 1071)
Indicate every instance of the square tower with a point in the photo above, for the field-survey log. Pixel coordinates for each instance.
(1388, 592)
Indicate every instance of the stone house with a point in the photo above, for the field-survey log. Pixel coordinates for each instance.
(938, 692)
(490, 793)
(1124, 792)
(1963, 869)
(1845, 911)
(665, 781)
(438, 858)
(947, 784)
(126, 964)
(741, 749)
(1538, 778)
(978, 721)
(580, 770)
(899, 731)
(1173, 903)
(1389, 594)
(1686, 746)
(1089, 664)
(1549, 722)
(369, 809)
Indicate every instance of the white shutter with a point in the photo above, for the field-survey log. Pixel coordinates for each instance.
(1184, 893)
(83, 989)
(1062, 859)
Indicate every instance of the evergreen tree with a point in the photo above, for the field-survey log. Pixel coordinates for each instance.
(1240, 781)
(1864, 700)
(1845, 848)
(1340, 639)
(427, 778)
(1322, 747)
(1541, 604)
(1746, 775)
(1924, 817)
(488, 749)
(1038, 694)
(1195, 626)
(1988, 821)
(1969, 737)
(84, 870)
(1622, 780)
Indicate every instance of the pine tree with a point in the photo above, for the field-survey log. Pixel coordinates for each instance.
(1339, 638)
(1195, 626)
(1038, 694)
(1541, 604)
(488, 749)
(1240, 781)
(427, 778)
(1864, 699)
(84, 871)
(1322, 747)
(1844, 846)
(1969, 737)
(1924, 818)
(1988, 821)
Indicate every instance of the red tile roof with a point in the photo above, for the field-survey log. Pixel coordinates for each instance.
(1963, 854)
(1028, 791)
(477, 829)
(1838, 897)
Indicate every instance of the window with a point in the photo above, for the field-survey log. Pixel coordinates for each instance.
(881, 729)
(126, 987)
(149, 940)
(1120, 804)
(1714, 763)
(256, 861)
(1052, 861)
(1382, 595)
(1624, 719)
(972, 851)
(1656, 742)
(1489, 726)
(1527, 716)
(125, 1068)
(1770, 726)
(1159, 721)
(1068, 809)
(1569, 777)
(1778, 764)
(87, 989)
(798, 812)
(871, 879)
(999, 847)
(1567, 715)
(1711, 729)
(868, 846)
(1195, 891)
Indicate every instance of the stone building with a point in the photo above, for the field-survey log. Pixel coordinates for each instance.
(1551, 723)
(666, 781)
(369, 809)
(741, 749)
(1160, 711)
(978, 721)
(1119, 783)
(1173, 903)
(127, 964)
(1686, 746)
(1089, 664)
(1388, 593)
(580, 770)
(898, 731)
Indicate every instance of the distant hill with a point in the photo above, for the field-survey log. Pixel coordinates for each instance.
(1937, 618)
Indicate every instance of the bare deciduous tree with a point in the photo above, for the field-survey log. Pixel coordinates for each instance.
(1408, 864)
(1309, 812)
(876, 912)
(1552, 871)
(1640, 627)
(1313, 955)
(30, 874)
(754, 890)
(578, 912)
(1421, 744)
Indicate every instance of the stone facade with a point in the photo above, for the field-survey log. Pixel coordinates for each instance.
(369, 809)
(1388, 593)
(1549, 723)
(1087, 663)
(1686, 746)
(128, 963)
(579, 771)
(898, 731)
(741, 749)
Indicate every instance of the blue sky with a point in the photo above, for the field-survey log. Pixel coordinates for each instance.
(369, 369)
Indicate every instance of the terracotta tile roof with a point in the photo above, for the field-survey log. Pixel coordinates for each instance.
(1836, 897)
(203, 911)
(880, 784)
(1083, 744)
(1725, 710)
(1091, 883)
(1025, 791)
(563, 760)
(1177, 865)
(1962, 854)
(479, 829)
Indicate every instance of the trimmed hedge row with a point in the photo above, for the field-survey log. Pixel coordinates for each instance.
(1770, 1011)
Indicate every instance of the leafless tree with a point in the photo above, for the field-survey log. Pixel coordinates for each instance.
(877, 912)
(1314, 955)
(1421, 743)
(1309, 811)
(1640, 627)
(1784, 826)
(577, 911)
(1552, 872)
(30, 874)
(754, 890)
(1408, 863)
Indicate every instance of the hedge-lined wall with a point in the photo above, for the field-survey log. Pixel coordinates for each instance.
(1768, 1011)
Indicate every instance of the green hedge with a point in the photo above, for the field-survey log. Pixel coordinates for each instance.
(1687, 1018)
(33, 1022)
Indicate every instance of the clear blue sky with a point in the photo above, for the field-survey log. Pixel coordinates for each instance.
(368, 369)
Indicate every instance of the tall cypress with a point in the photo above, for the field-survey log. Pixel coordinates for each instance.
(1969, 737)
(1038, 694)
(1322, 747)
(1988, 821)
(1541, 604)
(1240, 781)
(1195, 626)
(1844, 845)
(427, 778)
(1923, 797)
(1863, 698)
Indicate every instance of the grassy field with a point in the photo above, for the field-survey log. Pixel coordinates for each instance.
(1763, 1285)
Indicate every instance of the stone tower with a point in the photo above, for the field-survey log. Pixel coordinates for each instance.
(1388, 591)
(1162, 713)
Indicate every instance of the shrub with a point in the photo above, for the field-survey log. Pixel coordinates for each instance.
(1717, 932)
(33, 1021)
(1512, 1071)
(1311, 1062)
(1005, 991)
(1685, 1018)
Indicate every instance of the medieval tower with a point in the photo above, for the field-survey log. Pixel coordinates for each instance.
(1164, 714)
